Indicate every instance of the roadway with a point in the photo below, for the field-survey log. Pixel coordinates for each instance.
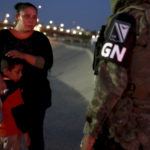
(72, 84)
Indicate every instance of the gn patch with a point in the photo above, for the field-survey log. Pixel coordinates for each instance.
(113, 52)
(119, 40)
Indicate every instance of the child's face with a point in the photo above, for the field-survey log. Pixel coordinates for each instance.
(16, 73)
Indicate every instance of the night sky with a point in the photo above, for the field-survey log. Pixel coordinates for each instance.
(89, 14)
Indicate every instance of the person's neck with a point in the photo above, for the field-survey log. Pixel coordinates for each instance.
(20, 30)
(20, 33)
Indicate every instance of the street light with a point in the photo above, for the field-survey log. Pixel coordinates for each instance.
(5, 21)
(68, 30)
(5, 27)
(78, 27)
(80, 33)
(51, 21)
(40, 6)
(7, 15)
(48, 27)
(54, 28)
(62, 25)
(74, 32)
(61, 29)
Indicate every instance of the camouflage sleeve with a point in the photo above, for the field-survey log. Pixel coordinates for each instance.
(112, 78)
(110, 84)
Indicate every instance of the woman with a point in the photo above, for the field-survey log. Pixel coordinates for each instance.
(34, 48)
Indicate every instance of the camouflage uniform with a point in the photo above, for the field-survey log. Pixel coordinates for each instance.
(125, 107)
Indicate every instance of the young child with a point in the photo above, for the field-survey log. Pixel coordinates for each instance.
(13, 112)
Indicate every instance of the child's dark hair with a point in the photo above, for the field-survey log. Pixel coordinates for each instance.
(21, 6)
(9, 63)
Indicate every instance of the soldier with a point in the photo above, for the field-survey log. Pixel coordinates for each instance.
(118, 117)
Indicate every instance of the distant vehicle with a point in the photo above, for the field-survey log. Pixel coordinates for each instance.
(94, 40)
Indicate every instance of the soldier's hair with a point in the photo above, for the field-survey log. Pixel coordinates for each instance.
(21, 6)
(9, 63)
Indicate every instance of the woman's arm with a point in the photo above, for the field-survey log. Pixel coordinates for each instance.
(36, 61)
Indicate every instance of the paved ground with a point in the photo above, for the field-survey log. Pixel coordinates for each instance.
(65, 119)
(72, 86)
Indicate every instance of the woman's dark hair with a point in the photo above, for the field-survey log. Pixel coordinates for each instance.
(21, 6)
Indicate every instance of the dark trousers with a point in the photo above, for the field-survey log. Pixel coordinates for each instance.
(36, 129)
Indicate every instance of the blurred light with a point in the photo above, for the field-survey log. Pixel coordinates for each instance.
(74, 32)
(61, 29)
(54, 28)
(39, 6)
(62, 25)
(51, 21)
(36, 28)
(44, 33)
(39, 25)
(5, 21)
(80, 33)
(7, 15)
(38, 19)
(78, 27)
(5, 27)
(68, 30)
(94, 39)
(93, 36)
(48, 27)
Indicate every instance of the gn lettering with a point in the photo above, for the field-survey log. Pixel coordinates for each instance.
(110, 50)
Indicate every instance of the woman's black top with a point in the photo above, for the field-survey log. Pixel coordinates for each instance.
(34, 82)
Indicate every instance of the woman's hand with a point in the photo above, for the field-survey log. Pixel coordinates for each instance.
(36, 61)
(15, 54)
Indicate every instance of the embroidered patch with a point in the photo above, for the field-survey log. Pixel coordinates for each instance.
(119, 31)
